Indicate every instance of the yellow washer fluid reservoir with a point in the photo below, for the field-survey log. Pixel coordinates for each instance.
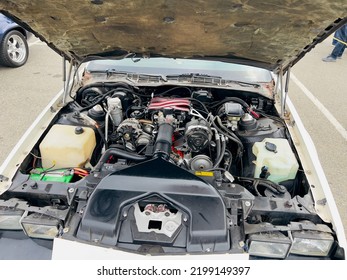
(67, 146)
(278, 157)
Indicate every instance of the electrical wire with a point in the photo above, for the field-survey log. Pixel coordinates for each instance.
(221, 154)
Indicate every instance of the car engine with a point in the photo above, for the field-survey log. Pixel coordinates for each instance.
(171, 169)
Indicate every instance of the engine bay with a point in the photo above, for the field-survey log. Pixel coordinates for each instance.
(164, 169)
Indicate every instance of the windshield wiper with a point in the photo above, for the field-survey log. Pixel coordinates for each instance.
(197, 77)
(185, 77)
(243, 84)
(134, 75)
(192, 75)
(110, 72)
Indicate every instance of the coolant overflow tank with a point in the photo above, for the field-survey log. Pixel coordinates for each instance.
(67, 146)
(278, 157)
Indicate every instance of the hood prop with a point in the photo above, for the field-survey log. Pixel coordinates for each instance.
(283, 88)
(66, 80)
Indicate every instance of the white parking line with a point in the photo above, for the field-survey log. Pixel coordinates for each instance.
(320, 107)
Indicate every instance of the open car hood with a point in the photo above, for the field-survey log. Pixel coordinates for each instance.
(171, 157)
(268, 34)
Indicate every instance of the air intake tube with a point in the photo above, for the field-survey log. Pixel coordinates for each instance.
(119, 154)
(162, 147)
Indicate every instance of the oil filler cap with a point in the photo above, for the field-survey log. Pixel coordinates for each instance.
(79, 130)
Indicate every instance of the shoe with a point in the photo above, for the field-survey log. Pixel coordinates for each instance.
(329, 58)
(339, 57)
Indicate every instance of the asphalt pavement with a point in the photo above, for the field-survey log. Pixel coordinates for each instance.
(318, 90)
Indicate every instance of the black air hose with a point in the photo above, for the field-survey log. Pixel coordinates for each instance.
(120, 154)
(163, 143)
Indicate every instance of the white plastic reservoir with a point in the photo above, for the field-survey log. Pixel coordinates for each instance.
(277, 155)
(67, 146)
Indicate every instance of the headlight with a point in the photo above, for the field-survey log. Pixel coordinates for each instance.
(40, 226)
(10, 219)
(269, 245)
(311, 243)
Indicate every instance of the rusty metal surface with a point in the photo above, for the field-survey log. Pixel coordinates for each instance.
(270, 31)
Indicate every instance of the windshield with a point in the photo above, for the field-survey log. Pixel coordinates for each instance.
(169, 66)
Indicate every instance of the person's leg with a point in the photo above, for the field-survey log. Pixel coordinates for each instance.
(338, 50)
(341, 51)
(335, 53)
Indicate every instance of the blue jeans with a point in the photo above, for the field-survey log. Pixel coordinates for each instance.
(338, 50)
(339, 37)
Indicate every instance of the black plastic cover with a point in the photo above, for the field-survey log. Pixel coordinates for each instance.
(204, 222)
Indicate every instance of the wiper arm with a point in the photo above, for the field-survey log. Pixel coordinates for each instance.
(243, 84)
(134, 75)
(213, 79)
(193, 75)
(110, 72)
